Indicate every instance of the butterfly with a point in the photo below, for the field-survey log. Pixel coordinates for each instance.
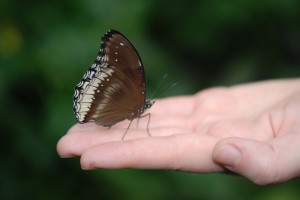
(114, 87)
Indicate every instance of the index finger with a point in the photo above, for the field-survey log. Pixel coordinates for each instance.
(186, 152)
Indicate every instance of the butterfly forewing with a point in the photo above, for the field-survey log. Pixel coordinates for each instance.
(113, 88)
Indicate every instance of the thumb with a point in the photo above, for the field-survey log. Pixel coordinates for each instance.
(261, 162)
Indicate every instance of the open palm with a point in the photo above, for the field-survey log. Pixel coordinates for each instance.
(251, 129)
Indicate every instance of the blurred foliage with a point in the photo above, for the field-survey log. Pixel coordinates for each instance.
(45, 47)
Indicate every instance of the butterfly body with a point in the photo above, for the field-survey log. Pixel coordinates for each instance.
(113, 88)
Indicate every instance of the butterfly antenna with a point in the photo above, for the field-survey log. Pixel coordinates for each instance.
(159, 86)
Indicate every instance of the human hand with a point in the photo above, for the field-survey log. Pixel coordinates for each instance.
(251, 129)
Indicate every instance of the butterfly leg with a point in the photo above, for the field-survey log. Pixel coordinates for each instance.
(149, 116)
(127, 129)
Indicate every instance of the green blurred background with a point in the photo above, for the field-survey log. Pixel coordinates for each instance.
(46, 46)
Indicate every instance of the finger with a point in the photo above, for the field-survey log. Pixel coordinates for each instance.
(186, 152)
(262, 163)
(84, 136)
(78, 138)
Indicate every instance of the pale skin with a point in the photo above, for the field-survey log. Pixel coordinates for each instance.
(250, 129)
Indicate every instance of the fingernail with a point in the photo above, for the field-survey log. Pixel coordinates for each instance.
(228, 156)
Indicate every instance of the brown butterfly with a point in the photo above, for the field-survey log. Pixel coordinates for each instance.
(113, 88)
